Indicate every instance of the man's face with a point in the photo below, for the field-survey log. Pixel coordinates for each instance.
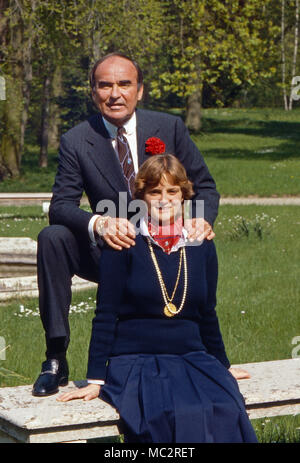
(116, 91)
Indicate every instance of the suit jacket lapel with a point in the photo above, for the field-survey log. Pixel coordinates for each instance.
(103, 154)
(146, 128)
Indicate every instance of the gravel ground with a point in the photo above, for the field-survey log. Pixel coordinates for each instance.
(7, 199)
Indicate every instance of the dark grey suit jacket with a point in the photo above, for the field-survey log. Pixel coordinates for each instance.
(88, 163)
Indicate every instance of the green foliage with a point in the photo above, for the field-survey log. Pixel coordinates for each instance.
(210, 39)
(225, 51)
(258, 227)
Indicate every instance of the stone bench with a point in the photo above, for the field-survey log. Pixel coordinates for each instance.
(274, 389)
(18, 273)
(29, 199)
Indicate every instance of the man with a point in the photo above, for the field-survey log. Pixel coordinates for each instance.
(89, 162)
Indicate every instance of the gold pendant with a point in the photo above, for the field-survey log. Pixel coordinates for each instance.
(168, 312)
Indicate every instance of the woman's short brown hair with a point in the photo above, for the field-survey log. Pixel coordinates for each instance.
(152, 171)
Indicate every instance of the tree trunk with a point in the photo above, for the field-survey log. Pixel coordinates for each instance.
(55, 112)
(10, 146)
(96, 45)
(285, 99)
(26, 90)
(193, 111)
(295, 50)
(43, 159)
(10, 143)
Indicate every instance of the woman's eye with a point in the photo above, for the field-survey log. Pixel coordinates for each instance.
(154, 192)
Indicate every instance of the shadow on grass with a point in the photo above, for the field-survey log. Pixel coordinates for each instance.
(288, 131)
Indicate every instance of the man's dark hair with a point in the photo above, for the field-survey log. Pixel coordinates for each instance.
(121, 55)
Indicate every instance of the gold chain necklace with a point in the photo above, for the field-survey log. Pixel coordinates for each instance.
(170, 309)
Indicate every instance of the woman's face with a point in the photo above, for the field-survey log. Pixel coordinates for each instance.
(164, 201)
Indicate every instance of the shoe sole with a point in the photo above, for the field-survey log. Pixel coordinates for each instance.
(44, 394)
(63, 382)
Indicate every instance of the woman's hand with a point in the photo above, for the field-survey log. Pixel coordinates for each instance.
(86, 393)
(239, 373)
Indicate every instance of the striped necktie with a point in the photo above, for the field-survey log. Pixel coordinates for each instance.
(125, 157)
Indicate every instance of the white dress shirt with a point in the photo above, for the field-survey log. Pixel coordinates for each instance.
(130, 133)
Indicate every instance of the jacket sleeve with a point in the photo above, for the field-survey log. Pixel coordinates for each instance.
(209, 325)
(198, 173)
(67, 192)
(112, 277)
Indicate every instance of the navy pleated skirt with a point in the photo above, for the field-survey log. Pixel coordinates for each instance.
(189, 398)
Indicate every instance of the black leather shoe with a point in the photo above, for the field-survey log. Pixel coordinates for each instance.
(54, 374)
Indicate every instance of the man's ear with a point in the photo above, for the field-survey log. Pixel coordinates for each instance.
(94, 99)
(140, 92)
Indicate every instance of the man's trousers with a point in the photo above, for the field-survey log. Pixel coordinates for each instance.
(60, 256)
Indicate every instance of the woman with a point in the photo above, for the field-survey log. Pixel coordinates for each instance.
(156, 341)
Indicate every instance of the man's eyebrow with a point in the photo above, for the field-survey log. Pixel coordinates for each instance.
(104, 82)
(121, 82)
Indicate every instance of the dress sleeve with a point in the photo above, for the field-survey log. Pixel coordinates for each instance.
(209, 324)
(113, 269)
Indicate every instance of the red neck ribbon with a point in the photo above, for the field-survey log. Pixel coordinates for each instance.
(166, 235)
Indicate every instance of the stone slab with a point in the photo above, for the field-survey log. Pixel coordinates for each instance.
(272, 390)
(18, 255)
(20, 250)
(272, 381)
(28, 199)
(44, 419)
(26, 286)
(271, 411)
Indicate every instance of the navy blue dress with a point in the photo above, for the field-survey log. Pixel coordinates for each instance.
(167, 377)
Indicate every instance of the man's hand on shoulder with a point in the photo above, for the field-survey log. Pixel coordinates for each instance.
(116, 232)
(198, 229)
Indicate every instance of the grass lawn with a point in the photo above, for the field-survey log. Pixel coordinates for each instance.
(258, 300)
(252, 151)
(248, 151)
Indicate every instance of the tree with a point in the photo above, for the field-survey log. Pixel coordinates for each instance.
(209, 39)
(283, 58)
(12, 38)
(289, 48)
(296, 41)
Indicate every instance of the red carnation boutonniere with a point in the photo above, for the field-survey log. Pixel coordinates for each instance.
(155, 146)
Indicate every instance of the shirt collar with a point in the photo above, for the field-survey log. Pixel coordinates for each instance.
(129, 126)
(145, 232)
